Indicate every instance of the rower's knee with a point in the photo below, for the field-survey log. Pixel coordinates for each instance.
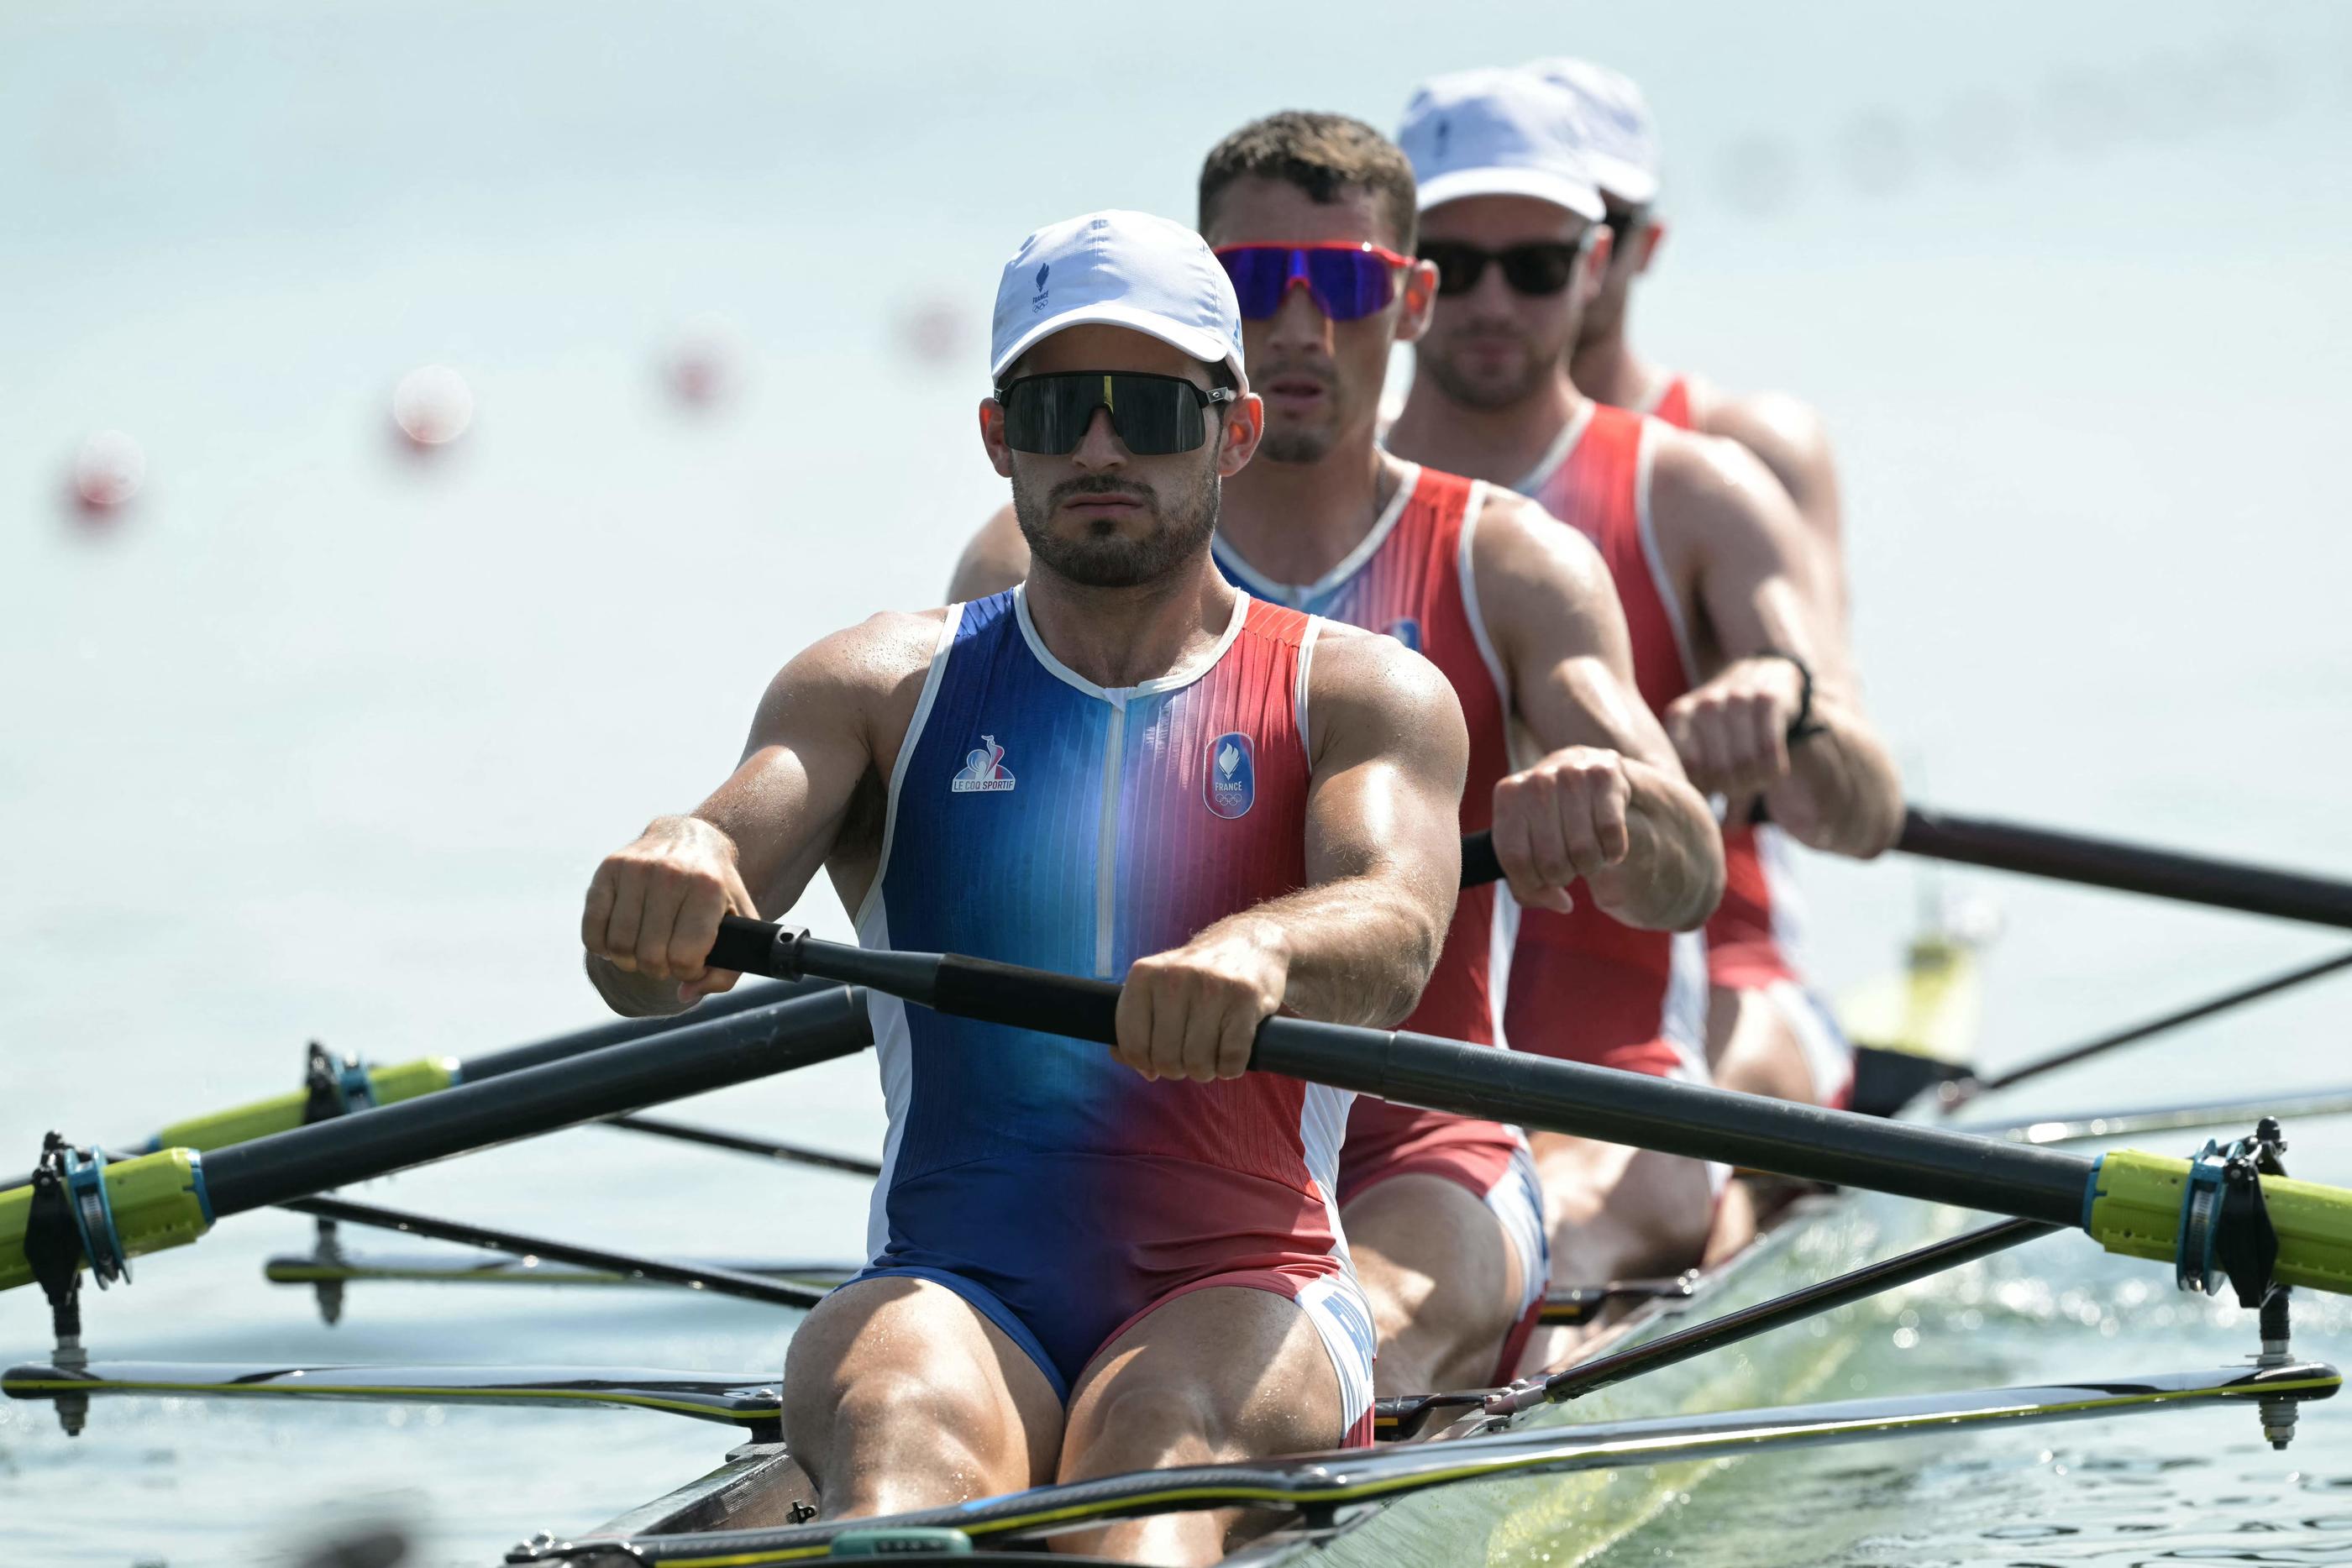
(897, 1440)
(1147, 1422)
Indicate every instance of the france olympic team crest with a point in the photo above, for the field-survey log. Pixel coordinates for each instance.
(984, 770)
(1232, 779)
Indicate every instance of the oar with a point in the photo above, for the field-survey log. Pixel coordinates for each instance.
(117, 1210)
(2126, 867)
(2130, 1202)
(396, 1081)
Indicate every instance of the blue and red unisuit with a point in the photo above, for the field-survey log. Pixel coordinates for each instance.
(1036, 818)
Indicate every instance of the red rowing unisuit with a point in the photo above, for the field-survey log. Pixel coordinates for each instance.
(1756, 932)
(1744, 936)
(1584, 985)
(1410, 577)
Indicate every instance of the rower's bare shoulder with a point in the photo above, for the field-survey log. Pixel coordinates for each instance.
(869, 675)
(1788, 434)
(1705, 485)
(1370, 684)
(995, 560)
(1524, 558)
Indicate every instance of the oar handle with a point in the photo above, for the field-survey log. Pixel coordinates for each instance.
(1479, 865)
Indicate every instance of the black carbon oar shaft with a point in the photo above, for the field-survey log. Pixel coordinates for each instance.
(2126, 868)
(1805, 1141)
(692, 1060)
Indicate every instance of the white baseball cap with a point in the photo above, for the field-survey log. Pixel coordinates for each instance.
(1613, 128)
(1496, 133)
(1118, 269)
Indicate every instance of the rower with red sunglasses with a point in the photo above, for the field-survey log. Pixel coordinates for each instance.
(1712, 566)
(1312, 216)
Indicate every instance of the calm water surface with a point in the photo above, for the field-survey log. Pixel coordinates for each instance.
(317, 741)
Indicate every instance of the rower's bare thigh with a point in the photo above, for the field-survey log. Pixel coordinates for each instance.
(1442, 1276)
(1222, 1374)
(900, 1394)
(1652, 1209)
(1226, 1373)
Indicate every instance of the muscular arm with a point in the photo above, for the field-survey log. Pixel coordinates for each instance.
(1608, 803)
(652, 909)
(1383, 861)
(1731, 533)
(996, 558)
(1788, 437)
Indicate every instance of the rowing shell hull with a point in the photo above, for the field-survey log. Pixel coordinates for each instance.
(1574, 1518)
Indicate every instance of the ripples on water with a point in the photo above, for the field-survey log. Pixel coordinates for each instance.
(2164, 1488)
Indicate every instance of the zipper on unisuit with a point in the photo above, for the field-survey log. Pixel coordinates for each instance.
(1106, 836)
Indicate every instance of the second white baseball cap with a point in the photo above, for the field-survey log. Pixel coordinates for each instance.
(1118, 269)
(1496, 133)
(1613, 130)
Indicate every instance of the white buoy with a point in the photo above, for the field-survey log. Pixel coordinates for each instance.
(432, 405)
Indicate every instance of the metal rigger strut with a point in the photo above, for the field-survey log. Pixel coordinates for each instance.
(71, 1222)
(2226, 1232)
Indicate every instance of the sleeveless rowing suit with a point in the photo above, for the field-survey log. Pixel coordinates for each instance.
(1755, 934)
(1036, 818)
(1411, 578)
(1584, 985)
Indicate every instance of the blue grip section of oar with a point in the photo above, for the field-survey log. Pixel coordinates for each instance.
(2091, 1193)
(204, 1196)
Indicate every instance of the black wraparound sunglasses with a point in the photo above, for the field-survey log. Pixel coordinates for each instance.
(1541, 268)
(1154, 416)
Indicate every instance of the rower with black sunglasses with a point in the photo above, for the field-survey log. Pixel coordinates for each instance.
(1087, 1261)
(1713, 568)
(1312, 216)
(1768, 1030)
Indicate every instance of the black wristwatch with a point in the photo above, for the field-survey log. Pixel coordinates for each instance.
(1804, 727)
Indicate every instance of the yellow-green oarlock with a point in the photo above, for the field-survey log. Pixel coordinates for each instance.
(283, 1112)
(2135, 1210)
(158, 1199)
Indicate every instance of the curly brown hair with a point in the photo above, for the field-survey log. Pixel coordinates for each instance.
(1322, 154)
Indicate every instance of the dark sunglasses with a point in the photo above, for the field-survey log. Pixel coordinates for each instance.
(1543, 268)
(1622, 221)
(1348, 282)
(1154, 416)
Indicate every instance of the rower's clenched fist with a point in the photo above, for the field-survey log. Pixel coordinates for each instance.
(654, 907)
(1193, 1011)
(1562, 820)
(1733, 732)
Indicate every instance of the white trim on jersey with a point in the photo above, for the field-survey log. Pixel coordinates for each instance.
(1645, 458)
(1299, 696)
(1829, 1055)
(940, 653)
(1119, 696)
(1562, 445)
(894, 1049)
(1787, 909)
(1682, 1020)
(1517, 1202)
(1297, 596)
(1503, 931)
(1342, 1316)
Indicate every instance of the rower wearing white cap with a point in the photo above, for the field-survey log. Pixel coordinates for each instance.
(1711, 565)
(1087, 1261)
(1767, 1031)
(1313, 215)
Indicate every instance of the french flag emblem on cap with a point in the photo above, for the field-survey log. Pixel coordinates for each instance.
(1232, 779)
